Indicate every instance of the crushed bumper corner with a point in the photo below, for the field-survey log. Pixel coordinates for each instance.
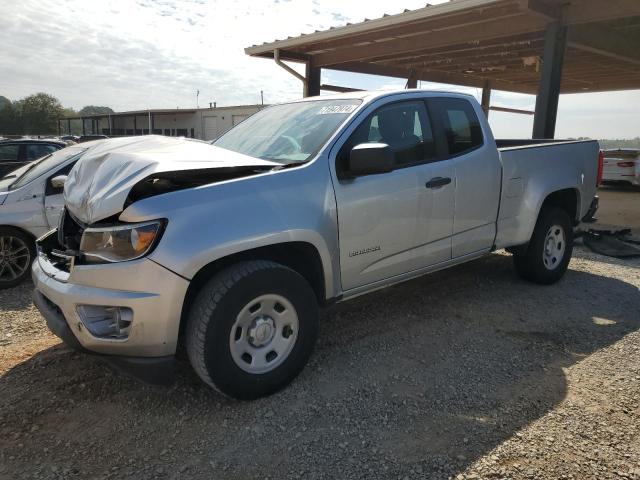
(56, 321)
(153, 370)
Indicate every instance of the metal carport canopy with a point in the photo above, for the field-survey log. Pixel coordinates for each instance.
(542, 47)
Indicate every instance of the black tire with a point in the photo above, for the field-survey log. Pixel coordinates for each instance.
(530, 263)
(214, 313)
(15, 239)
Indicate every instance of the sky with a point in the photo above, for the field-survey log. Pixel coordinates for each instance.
(138, 54)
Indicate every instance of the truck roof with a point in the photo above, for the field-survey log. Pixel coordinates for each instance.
(369, 95)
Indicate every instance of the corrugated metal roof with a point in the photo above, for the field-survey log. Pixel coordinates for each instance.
(386, 20)
(475, 42)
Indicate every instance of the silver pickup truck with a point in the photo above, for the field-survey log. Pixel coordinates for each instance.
(230, 249)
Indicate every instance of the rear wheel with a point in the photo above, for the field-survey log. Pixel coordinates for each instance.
(547, 257)
(17, 251)
(252, 329)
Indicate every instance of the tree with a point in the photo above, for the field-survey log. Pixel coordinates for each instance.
(40, 113)
(10, 121)
(4, 102)
(93, 110)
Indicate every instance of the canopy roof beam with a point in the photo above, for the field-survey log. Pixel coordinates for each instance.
(606, 42)
(486, 30)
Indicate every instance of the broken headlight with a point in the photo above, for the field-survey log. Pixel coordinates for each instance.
(119, 243)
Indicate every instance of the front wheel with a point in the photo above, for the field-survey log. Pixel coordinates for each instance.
(17, 251)
(547, 257)
(252, 329)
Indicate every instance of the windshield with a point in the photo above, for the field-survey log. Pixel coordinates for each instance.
(30, 172)
(288, 133)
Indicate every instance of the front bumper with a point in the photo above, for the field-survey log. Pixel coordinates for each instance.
(156, 370)
(153, 293)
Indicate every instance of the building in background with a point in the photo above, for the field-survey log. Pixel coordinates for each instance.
(202, 123)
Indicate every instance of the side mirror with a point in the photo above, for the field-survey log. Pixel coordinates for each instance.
(371, 159)
(58, 182)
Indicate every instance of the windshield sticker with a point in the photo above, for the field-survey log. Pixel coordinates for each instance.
(337, 109)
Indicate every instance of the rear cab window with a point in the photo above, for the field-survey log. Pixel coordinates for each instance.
(459, 124)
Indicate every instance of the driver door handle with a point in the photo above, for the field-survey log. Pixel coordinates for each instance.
(437, 182)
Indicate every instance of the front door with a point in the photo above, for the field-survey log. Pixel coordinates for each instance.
(394, 223)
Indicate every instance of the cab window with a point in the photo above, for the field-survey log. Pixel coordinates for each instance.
(459, 122)
(404, 126)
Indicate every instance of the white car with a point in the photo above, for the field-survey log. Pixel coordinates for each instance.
(622, 166)
(30, 205)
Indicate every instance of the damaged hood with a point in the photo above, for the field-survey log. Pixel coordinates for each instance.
(100, 183)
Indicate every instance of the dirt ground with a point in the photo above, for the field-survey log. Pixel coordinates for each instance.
(466, 373)
(620, 206)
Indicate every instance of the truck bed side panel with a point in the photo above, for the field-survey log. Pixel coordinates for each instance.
(532, 173)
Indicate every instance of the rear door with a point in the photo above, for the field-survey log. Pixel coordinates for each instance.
(392, 223)
(477, 170)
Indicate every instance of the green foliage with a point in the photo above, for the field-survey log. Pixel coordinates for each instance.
(93, 110)
(10, 120)
(40, 113)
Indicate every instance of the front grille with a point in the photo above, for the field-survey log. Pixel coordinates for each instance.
(62, 249)
(69, 233)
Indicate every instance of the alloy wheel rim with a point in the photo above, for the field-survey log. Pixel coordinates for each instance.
(264, 333)
(555, 245)
(14, 258)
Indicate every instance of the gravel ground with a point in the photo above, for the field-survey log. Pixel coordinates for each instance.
(619, 205)
(466, 373)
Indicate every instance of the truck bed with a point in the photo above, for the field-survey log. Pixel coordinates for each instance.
(531, 171)
(525, 142)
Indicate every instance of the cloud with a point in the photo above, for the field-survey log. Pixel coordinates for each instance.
(158, 53)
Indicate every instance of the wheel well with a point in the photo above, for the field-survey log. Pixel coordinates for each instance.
(566, 199)
(299, 256)
(21, 230)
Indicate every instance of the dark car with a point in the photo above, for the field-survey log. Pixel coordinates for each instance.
(16, 153)
(70, 138)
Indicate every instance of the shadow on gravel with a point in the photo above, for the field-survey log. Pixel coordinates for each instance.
(16, 298)
(419, 380)
(583, 252)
